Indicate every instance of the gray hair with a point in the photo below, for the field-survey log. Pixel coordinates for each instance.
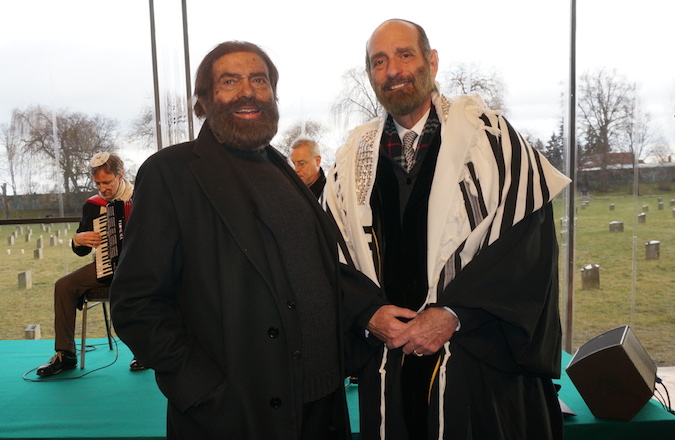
(313, 146)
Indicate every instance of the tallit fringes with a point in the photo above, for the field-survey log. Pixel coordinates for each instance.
(442, 382)
(496, 120)
(383, 382)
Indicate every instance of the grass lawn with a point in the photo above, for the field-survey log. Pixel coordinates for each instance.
(20, 308)
(634, 291)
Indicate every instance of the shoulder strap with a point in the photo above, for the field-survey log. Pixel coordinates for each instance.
(97, 200)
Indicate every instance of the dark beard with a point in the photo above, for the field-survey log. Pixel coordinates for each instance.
(404, 102)
(244, 134)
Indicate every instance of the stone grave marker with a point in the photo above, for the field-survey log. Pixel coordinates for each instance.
(25, 280)
(616, 226)
(590, 277)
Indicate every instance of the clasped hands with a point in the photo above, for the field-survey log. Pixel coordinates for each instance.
(424, 333)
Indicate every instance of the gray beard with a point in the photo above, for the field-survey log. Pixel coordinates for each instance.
(404, 103)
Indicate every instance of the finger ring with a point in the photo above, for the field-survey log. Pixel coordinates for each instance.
(417, 354)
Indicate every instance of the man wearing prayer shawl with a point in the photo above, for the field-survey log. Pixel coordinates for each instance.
(456, 225)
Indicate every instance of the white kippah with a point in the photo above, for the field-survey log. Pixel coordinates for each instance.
(99, 159)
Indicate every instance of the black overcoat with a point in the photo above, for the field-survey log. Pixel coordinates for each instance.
(201, 297)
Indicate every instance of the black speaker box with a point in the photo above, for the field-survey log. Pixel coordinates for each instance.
(614, 374)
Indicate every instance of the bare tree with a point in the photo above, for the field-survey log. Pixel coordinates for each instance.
(606, 109)
(175, 124)
(468, 78)
(642, 136)
(143, 128)
(307, 128)
(78, 138)
(5, 201)
(661, 152)
(356, 102)
(11, 140)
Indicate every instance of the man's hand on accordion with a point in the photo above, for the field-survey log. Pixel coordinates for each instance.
(87, 238)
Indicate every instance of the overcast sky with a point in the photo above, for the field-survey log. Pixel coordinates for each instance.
(94, 56)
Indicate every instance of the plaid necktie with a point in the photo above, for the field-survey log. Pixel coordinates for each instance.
(409, 150)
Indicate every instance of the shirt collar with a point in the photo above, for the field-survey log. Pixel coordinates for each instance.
(417, 128)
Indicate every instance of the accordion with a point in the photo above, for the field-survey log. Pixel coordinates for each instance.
(110, 225)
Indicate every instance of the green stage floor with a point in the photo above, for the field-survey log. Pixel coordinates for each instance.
(109, 402)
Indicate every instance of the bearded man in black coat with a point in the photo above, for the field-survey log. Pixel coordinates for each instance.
(229, 285)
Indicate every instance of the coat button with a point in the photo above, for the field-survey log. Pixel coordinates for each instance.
(290, 305)
(272, 332)
(275, 402)
(296, 354)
